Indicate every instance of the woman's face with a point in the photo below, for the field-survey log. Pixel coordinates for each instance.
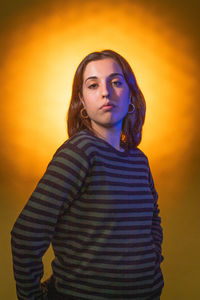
(105, 93)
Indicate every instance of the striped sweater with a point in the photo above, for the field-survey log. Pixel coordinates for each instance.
(98, 207)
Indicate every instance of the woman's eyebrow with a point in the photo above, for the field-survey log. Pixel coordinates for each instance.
(91, 77)
(111, 75)
(116, 74)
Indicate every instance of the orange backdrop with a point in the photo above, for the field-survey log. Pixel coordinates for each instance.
(42, 45)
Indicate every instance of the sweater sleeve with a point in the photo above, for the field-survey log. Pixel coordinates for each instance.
(33, 230)
(157, 231)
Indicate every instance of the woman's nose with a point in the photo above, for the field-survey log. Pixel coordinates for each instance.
(105, 90)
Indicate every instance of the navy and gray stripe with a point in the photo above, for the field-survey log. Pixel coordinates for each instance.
(98, 207)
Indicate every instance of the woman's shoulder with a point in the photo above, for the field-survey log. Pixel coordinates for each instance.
(138, 154)
(82, 143)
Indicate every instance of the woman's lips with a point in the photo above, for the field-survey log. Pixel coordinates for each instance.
(107, 106)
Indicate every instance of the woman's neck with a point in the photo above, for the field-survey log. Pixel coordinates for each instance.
(109, 134)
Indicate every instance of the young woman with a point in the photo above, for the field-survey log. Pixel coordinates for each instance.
(96, 202)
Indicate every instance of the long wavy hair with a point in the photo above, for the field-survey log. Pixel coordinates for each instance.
(131, 132)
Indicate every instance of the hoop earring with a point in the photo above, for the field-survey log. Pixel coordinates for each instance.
(132, 108)
(83, 114)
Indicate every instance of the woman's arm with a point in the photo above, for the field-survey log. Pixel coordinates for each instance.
(157, 231)
(34, 229)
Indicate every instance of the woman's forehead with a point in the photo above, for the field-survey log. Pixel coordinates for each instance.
(101, 68)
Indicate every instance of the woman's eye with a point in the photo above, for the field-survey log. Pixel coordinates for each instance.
(93, 86)
(117, 83)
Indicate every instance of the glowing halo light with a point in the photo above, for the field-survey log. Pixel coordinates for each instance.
(41, 64)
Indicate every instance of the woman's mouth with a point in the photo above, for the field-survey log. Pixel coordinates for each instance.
(107, 106)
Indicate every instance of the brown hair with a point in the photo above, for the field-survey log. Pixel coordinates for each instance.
(132, 124)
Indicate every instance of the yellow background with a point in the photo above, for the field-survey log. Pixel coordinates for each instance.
(42, 43)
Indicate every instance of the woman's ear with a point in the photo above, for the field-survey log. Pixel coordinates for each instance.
(81, 99)
(131, 98)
